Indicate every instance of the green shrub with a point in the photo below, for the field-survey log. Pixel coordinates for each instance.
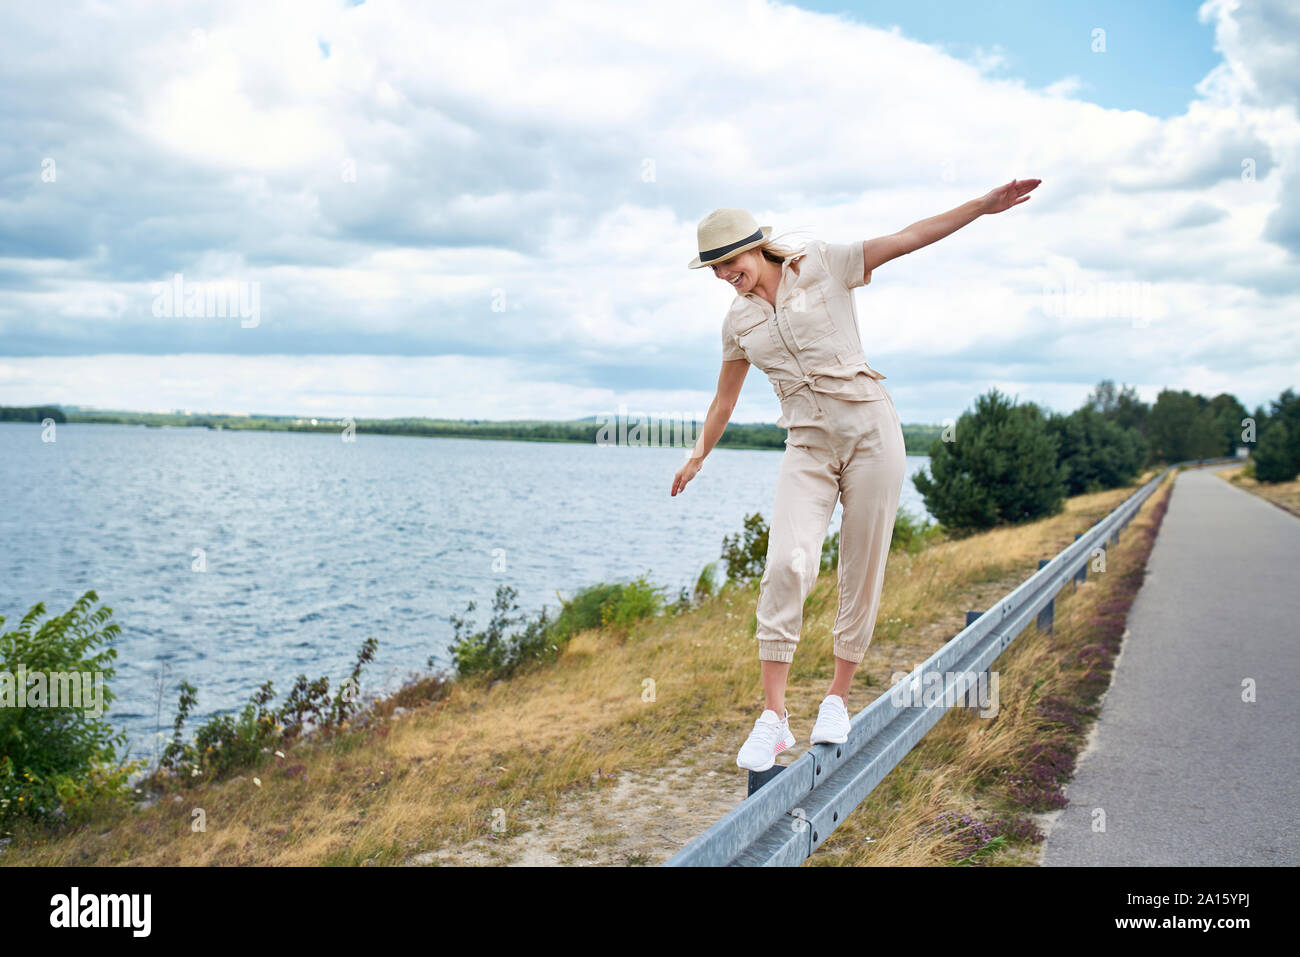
(913, 533)
(494, 653)
(614, 605)
(1000, 467)
(831, 551)
(226, 742)
(497, 653)
(57, 762)
(745, 553)
(707, 584)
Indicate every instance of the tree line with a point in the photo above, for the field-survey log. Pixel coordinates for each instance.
(31, 413)
(1008, 462)
(916, 438)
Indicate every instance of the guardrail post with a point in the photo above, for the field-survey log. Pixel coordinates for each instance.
(1081, 575)
(971, 699)
(758, 778)
(1046, 617)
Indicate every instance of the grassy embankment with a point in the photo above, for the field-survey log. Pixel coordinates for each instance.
(494, 763)
(1283, 494)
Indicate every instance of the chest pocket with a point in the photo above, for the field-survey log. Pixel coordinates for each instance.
(753, 333)
(808, 315)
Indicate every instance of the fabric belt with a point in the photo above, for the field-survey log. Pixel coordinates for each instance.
(786, 387)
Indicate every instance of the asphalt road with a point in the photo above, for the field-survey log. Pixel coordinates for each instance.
(1186, 771)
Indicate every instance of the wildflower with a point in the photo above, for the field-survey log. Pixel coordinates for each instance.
(257, 781)
(279, 754)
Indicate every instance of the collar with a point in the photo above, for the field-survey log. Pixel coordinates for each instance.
(756, 299)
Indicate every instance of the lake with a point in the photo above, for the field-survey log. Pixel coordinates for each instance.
(231, 558)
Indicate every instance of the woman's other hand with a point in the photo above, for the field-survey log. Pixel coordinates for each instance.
(685, 474)
(1012, 194)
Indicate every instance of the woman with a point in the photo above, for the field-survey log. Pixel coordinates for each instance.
(794, 318)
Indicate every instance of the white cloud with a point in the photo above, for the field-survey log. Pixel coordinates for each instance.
(562, 154)
(1064, 87)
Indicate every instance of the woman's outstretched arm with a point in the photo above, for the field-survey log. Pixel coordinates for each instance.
(876, 252)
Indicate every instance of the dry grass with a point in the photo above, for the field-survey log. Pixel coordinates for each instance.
(1283, 494)
(487, 764)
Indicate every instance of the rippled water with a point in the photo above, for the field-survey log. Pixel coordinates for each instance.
(312, 544)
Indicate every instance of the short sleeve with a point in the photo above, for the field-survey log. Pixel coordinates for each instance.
(730, 350)
(844, 262)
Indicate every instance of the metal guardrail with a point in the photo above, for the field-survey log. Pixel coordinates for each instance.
(791, 810)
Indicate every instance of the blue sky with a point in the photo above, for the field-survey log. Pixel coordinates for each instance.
(1156, 50)
(486, 211)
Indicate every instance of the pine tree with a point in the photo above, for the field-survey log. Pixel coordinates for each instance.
(1001, 466)
(1273, 461)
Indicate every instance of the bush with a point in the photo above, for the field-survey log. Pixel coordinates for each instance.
(492, 651)
(56, 762)
(912, 533)
(745, 553)
(615, 605)
(496, 654)
(707, 584)
(831, 552)
(226, 743)
(1001, 467)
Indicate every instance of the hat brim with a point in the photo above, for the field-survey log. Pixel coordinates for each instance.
(697, 263)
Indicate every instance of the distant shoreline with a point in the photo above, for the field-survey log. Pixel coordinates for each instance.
(748, 436)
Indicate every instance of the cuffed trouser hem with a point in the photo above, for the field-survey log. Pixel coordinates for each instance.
(854, 655)
(774, 649)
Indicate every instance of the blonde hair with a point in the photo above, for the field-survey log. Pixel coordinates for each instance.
(777, 252)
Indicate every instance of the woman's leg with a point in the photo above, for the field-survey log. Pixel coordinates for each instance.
(872, 484)
(843, 680)
(774, 675)
(806, 490)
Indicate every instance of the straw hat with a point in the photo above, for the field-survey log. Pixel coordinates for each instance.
(724, 233)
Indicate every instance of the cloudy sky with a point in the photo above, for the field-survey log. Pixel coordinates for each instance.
(485, 210)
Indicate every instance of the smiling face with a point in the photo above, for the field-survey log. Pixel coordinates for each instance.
(741, 271)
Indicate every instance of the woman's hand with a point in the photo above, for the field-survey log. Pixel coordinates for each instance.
(1004, 197)
(685, 474)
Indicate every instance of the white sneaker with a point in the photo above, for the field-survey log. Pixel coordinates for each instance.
(771, 736)
(832, 725)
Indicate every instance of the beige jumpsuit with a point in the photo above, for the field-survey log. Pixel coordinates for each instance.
(844, 441)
